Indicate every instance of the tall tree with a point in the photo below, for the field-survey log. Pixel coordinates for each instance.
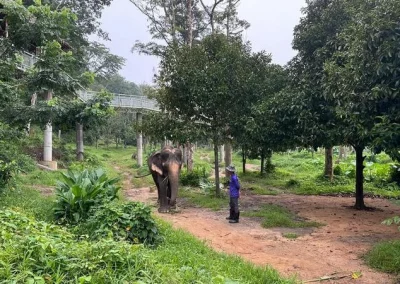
(315, 39)
(363, 78)
(116, 84)
(179, 22)
(264, 129)
(197, 87)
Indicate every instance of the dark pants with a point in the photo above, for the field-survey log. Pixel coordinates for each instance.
(234, 208)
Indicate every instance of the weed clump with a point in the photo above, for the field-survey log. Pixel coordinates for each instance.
(292, 183)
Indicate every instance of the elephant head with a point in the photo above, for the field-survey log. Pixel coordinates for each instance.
(165, 167)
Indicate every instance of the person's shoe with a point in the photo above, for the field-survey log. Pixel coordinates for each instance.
(229, 218)
(233, 221)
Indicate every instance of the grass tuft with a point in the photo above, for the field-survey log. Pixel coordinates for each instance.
(385, 257)
(275, 216)
(290, 235)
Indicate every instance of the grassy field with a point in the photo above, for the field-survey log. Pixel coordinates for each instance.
(182, 257)
(33, 256)
(301, 173)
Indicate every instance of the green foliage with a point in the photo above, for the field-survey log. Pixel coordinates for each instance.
(262, 190)
(290, 235)
(194, 177)
(129, 221)
(385, 257)
(276, 216)
(45, 252)
(337, 170)
(29, 201)
(12, 161)
(394, 220)
(78, 192)
(116, 84)
(394, 175)
(292, 183)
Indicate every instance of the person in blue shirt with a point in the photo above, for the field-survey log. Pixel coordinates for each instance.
(234, 194)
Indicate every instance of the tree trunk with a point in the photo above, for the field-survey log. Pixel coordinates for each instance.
(244, 160)
(329, 163)
(359, 178)
(262, 163)
(216, 165)
(268, 167)
(342, 153)
(228, 156)
(190, 156)
(79, 142)
(185, 156)
(222, 153)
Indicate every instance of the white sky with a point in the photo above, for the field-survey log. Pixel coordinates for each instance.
(272, 23)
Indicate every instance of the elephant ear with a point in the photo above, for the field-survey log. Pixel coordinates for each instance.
(156, 169)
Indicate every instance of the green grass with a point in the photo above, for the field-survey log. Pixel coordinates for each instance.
(114, 160)
(181, 258)
(40, 177)
(256, 189)
(198, 263)
(290, 235)
(28, 201)
(200, 199)
(275, 216)
(385, 257)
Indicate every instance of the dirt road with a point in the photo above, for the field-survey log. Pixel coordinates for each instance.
(336, 247)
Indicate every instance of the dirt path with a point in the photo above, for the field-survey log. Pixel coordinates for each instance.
(334, 248)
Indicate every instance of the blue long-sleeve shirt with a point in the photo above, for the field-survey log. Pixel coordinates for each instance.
(234, 186)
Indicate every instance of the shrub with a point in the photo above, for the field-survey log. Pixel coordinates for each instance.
(292, 183)
(130, 221)
(12, 162)
(337, 171)
(194, 177)
(37, 252)
(80, 191)
(394, 174)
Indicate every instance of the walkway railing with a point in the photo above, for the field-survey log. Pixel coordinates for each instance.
(119, 100)
(125, 101)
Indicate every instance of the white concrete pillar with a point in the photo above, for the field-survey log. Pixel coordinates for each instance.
(48, 136)
(48, 143)
(139, 141)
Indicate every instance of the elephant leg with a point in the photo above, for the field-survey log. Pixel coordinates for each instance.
(169, 192)
(155, 178)
(164, 205)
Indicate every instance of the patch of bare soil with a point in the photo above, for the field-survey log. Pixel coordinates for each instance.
(336, 247)
(44, 190)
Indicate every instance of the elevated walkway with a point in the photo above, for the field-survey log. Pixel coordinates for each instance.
(139, 103)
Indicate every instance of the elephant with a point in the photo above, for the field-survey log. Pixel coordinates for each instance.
(165, 167)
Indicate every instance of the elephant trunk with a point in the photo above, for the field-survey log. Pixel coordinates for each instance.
(173, 183)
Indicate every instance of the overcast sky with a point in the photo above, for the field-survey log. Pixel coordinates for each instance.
(272, 23)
